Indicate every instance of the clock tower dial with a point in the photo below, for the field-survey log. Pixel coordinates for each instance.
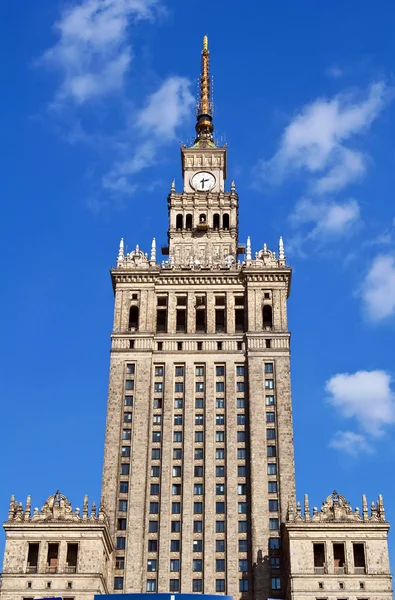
(203, 181)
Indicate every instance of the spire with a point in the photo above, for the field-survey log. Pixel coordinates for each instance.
(306, 508)
(153, 251)
(121, 251)
(204, 113)
(248, 249)
(281, 253)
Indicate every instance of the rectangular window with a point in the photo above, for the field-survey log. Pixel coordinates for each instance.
(151, 565)
(242, 508)
(240, 402)
(156, 436)
(177, 419)
(126, 434)
(220, 471)
(158, 371)
(176, 489)
(270, 417)
(359, 558)
(220, 585)
(154, 508)
(197, 526)
(153, 526)
(157, 420)
(220, 436)
(121, 525)
(199, 371)
(128, 401)
(125, 451)
(241, 453)
(272, 487)
(273, 505)
(199, 436)
(129, 384)
(220, 545)
(178, 403)
(175, 526)
(198, 471)
(241, 419)
(220, 420)
(197, 564)
(123, 505)
(271, 451)
(269, 400)
(152, 545)
(220, 489)
(199, 402)
(199, 387)
(118, 583)
(130, 368)
(272, 469)
(220, 386)
(179, 371)
(276, 583)
(174, 545)
(243, 564)
(220, 453)
(220, 526)
(123, 487)
(157, 402)
(242, 489)
(338, 556)
(240, 386)
(119, 562)
(198, 508)
(200, 322)
(241, 436)
(177, 455)
(220, 322)
(125, 468)
(174, 585)
(269, 384)
(220, 565)
(199, 420)
(270, 434)
(243, 528)
(197, 545)
(161, 320)
(274, 524)
(243, 585)
(220, 403)
(239, 320)
(174, 564)
(198, 489)
(197, 585)
(199, 453)
(274, 562)
(274, 543)
(158, 386)
(177, 471)
(181, 320)
(71, 558)
(179, 386)
(151, 585)
(242, 471)
(176, 508)
(268, 367)
(177, 436)
(319, 557)
(220, 371)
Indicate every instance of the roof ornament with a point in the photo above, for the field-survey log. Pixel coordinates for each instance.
(248, 249)
(173, 186)
(205, 109)
(281, 253)
(121, 252)
(153, 251)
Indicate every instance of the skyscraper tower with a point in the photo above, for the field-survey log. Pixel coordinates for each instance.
(199, 467)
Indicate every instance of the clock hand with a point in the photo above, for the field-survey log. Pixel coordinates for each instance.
(203, 181)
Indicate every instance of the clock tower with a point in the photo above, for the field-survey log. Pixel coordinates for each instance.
(203, 217)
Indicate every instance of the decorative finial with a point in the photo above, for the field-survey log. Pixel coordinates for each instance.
(365, 511)
(85, 508)
(281, 253)
(173, 185)
(306, 508)
(248, 248)
(93, 510)
(28, 507)
(153, 250)
(11, 508)
(204, 113)
(380, 505)
(233, 186)
(121, 251)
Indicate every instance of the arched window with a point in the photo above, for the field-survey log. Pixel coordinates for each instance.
(216, 221)
(202, 218)
(188, 222)
(179, 220)
(134, 318)
(267, 317)
(225, 221)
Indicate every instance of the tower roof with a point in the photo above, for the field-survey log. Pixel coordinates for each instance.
(205, 108)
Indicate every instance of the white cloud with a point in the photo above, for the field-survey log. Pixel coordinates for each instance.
(93, 53)
(351, 443)
(378, 288)
(365, 396)
(315, 141)
(328, 219)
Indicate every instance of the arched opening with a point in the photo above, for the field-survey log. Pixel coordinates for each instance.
(202, 218)
(225, 221)
(188, 222)
(267, 317)
(179, 221)
(216, 221)
(134, 318)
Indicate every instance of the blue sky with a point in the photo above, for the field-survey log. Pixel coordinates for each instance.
(96, 97)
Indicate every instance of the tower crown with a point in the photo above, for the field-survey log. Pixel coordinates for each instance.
(205, 108)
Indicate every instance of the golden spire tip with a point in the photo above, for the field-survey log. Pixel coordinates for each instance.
(205, 43)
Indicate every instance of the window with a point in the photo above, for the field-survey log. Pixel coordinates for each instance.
(153, 508)
(199, 346)
(131, 344)
(243, 544)
(219, 345)
(188, 222)
(240, 386)
(274, 543)
(242, 507)
(199, 419)
(220, 565)
(174, 585)
(241, 453)
(241, 419)
(179, 371)
(197, 526)
(174, 564)
(125, 468)
(319, 557)
(268, 367)
(276, 583)
(123, 487)
(128, 401)
(269, 400)
(272, 487)
(152, 545)
(240, 370)
(177, 471)
(220, 545)
(153, 526)
(225, 221)
(178, 403)
(271, 451)
(129, 384)
(269, 384)
(157, 419)
(198, 508)
(273, 524)
(176, 508)
(179, 386)
(198, 489)
(151, 585)
(220, 420)
(119, 562)
(197, 545)
(199, 453)
(156, 436)
(200, 316)
(241, 436)
(118, 583)
(267, 317)
(121, 526)
(175, 526)
(220, 322)
(199, 371)
(220, 585)
(123, 505)
(243, 585)
(177, 436)
(158, 371)
(220, 436)
(121, 543)
(174, 545)
(159, 346)
(268, 343)
(243, 528)
(220, 489)
(125, 451)
(151, 565)
(274, 562)
(220, 403)
(197, 564)
(181, 320)
(219, 371)
(220, 453)
(270, 417)
(273, 505)
(220, 386)
(270, 434)
(240, 402)
(126, 434)
(199, 402)
(242, 489)
(198, 471)
(177, 455)
(220, 526)
(158, 386)
(176, 489)
(220, 471)
(197, 585)
(199, 436)
(359, 558)
(338, 556)
(243, 564)
(157, 402)
(242, 471)
(177, 419)
(161, 321)
(199, 387)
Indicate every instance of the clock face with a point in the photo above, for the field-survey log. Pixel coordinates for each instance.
(203, 181)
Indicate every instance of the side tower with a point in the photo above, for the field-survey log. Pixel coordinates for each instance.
(199, 467)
